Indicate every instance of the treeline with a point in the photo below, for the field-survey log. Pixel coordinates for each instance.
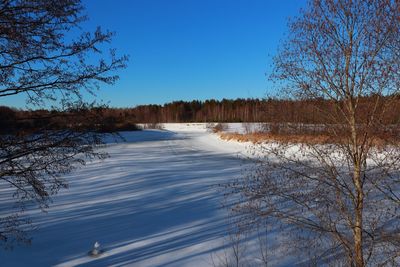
(15, 121)
(316, 111)
(105, 119)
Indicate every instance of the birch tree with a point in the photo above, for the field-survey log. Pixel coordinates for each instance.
(340, 199)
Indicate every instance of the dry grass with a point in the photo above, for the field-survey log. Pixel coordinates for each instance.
(280, 138)
(257, 138)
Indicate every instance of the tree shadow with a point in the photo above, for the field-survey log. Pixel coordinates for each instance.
(151, 203)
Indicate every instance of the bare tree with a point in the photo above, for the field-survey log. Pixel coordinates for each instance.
(342, 200)
(235, 251)
(45, 55)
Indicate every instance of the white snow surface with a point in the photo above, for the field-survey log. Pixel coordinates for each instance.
(154, 202)
(236, 127)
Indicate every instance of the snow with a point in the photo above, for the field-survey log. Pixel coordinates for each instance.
(154, 202)
(202, 127)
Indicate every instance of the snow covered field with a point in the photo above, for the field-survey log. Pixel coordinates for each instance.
(154, 202)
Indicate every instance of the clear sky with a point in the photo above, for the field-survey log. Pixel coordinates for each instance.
(189, 49)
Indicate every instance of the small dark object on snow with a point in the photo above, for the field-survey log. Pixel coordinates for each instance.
(96, 250)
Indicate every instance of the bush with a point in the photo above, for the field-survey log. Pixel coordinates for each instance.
(220, 127)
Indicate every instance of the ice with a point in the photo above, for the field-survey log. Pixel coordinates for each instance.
(154, 202)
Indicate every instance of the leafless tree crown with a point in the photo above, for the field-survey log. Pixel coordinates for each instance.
(45, 55)
(340, 200)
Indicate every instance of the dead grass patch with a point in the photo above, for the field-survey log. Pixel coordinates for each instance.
(311, 139)
(268, 137)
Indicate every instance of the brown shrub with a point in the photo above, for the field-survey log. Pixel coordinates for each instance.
(257, 138)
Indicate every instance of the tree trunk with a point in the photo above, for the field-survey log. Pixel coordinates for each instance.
(359, 198)
(359, 201)
(358, 225)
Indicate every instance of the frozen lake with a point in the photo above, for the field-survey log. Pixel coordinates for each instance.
(154, 202)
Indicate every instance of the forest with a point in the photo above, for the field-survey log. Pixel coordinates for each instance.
(273, 110)
(107, 119)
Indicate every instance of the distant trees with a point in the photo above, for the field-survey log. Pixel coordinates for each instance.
(284, 116)
(298, 112)
(226, 110)
(45, 56)
(305, 111)
(99, 119)
(341, 201)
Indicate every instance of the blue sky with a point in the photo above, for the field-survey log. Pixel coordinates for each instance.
(189, 49)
